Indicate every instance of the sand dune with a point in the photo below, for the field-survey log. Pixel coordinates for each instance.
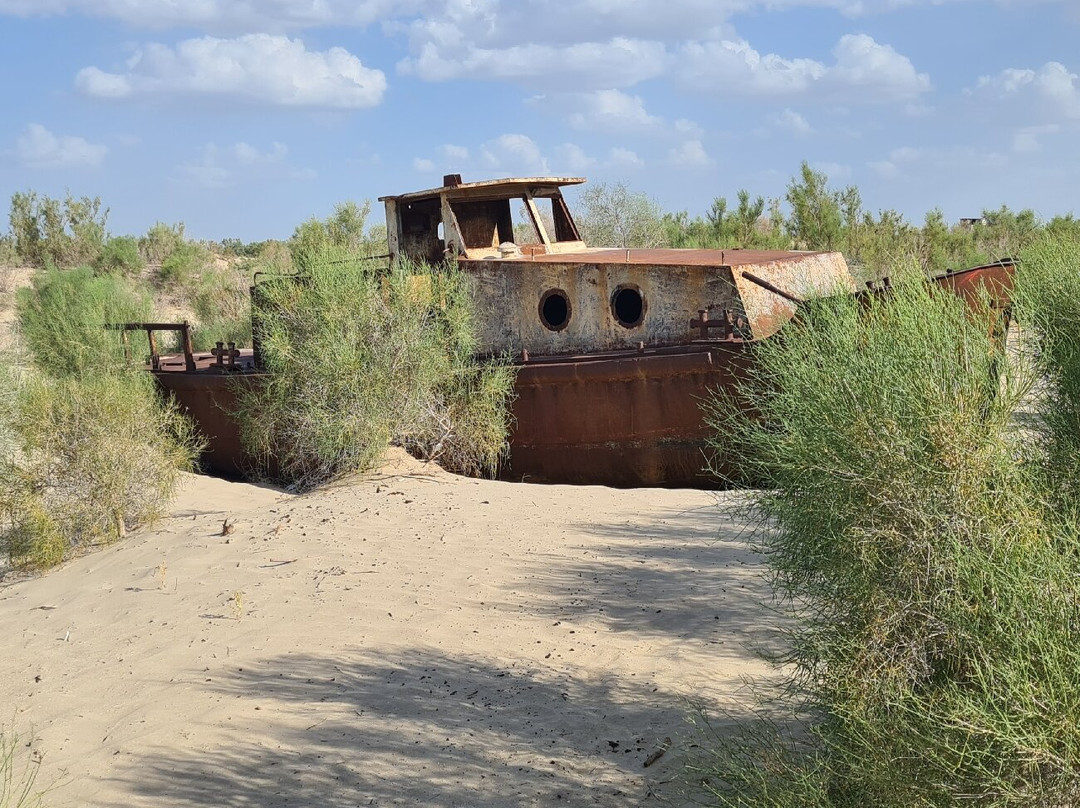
(409, 638)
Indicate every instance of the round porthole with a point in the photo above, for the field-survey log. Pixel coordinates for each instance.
(555, 309)
(628, 306)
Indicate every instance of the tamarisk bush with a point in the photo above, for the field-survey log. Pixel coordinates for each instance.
(917, 538)
(359, 357)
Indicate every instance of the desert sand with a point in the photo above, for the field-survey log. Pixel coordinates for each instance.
(405, 638)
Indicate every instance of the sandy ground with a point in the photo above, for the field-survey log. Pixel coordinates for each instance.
(11, 279)
(410, 638)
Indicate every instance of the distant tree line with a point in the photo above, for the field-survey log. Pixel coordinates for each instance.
(817, 217)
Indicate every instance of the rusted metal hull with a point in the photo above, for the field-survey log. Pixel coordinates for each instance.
(209, 396)
(625, 420)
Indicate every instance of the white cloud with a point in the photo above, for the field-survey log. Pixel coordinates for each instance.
(735, 68)
(258, 67)
(610, 110)
(863, 63)
(792, 122)
(1029, 138)
(423, 165)
(864, 71)
(572, 159)
(452, 152)
(514, 155)
(619, 62)
(899, 159)
(624, 158)
(223, 15)
(688, 129)
(37, 147)
(613, 112)
(220, 167)
(834, 171)
(1053, 91)
(885, 169)
(932, 163)
(472, 20)
(519, 155)
(690, 154)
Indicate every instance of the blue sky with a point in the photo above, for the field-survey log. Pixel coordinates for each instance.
(241, 118)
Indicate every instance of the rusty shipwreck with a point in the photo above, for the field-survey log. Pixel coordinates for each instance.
(615, 348)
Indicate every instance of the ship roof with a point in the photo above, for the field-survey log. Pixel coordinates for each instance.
(488, 189)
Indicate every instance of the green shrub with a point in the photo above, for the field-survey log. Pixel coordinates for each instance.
(121, 256)
(94, 455)
(62, 318)
(1047, 298)
(935, 644)
(358, 358)
(222, 306)
(8, 256)
(344, 231)
(183, 265)
(161, 241)
(273, 257)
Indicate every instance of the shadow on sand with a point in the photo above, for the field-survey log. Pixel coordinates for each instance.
(423, 727)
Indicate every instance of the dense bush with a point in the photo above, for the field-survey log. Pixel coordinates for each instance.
(120, 256)
(183, 265)
(934, 585)
(62, 318)
(359, 358)
(94, 455)
(87, 447)
(161, 241)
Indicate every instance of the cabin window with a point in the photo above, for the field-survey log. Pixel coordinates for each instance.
(628, 306)
(524, 229)
(484, 223)
(555, 309)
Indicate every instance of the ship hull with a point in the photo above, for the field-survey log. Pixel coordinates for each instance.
(623, 420)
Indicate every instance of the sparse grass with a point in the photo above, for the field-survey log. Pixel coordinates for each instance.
(18, 772)
(237, 601)
(359, 358)
(1048, 301)
(9, 260)
(222, 306)
(933, 582)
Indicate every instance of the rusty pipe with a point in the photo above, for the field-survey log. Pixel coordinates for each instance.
(776, 290)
